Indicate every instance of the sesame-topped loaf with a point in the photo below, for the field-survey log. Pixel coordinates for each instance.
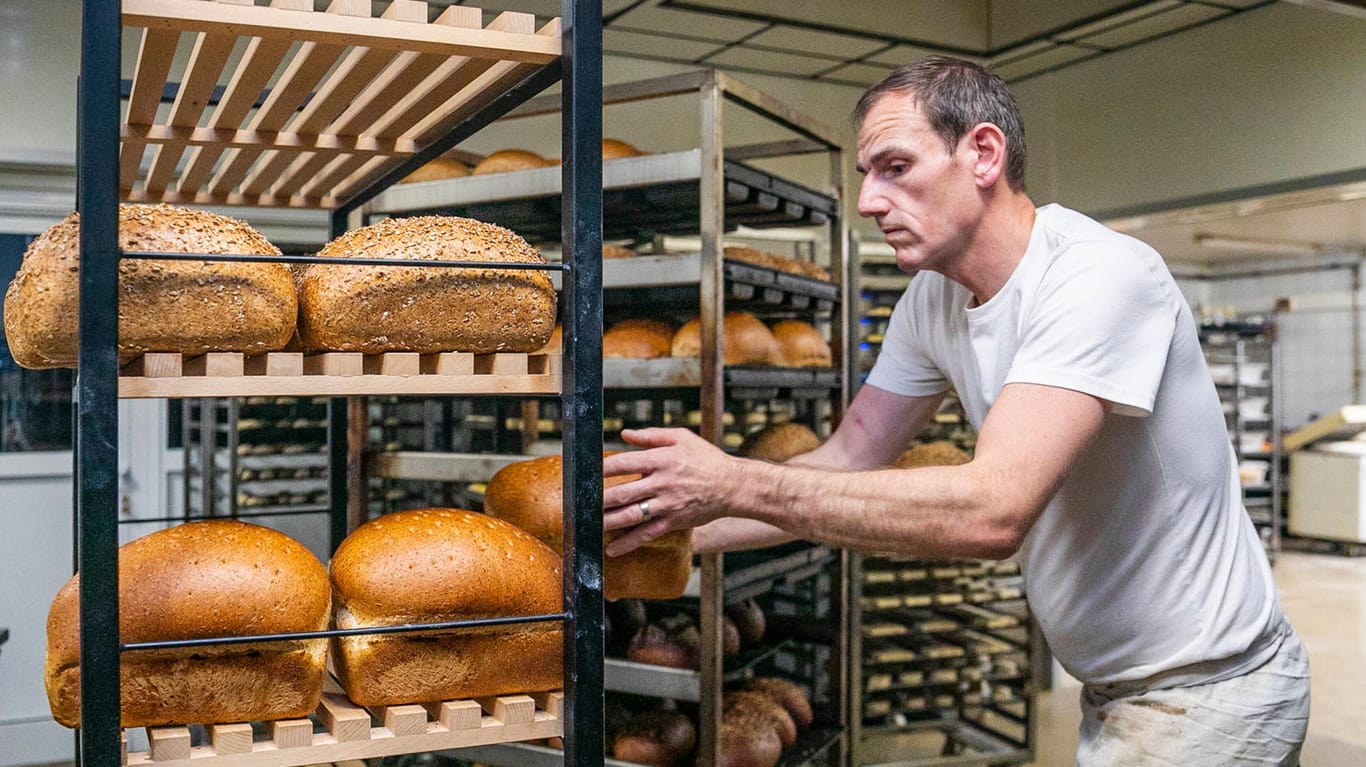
(437, 565)
(427, 309)
(164, 306)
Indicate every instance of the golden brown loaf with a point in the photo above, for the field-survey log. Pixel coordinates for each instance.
(617, 251)
(437, 170)
(427, 309)
(775, 261)
(940, 453)
(613, 149)
(203, 580)
(791, 697)
(638, 339)
(529, 494)
(744, 703)
(800, 345)
(780, 442)
(166, 306)
(750, 731)
(510, 159)
(434, 565)
(747, 340)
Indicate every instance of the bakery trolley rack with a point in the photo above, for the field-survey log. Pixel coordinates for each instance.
(359, 103)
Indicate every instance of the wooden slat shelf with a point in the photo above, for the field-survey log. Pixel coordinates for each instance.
(353, 97)
(348, 732)
(338, 374)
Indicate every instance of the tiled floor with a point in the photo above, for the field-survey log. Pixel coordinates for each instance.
(1325, 597)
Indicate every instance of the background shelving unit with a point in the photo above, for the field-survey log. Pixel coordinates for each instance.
(708, 191)
(359, 103)
(1243, 361)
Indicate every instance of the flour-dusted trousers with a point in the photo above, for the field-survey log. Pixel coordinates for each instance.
(1258, 718)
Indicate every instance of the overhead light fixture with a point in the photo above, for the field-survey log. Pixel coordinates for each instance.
(1260, 247)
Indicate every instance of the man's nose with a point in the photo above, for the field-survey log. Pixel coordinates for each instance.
(871, 201)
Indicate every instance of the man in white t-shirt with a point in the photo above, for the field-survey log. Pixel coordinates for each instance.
(1102, 460)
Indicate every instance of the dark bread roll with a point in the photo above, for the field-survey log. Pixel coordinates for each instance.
(660, 738)
(749, 621)
(747, 340)
(659, 644)
(792, 697)
(780, 442)
(410, 308)
(529, 494)
(505, 160)
(637, 339)
(190, 307)
(801, 346)
(744, 703)
(200, 580)
(436, 565)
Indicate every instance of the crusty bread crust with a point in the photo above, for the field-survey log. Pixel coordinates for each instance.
(215, 578)
(375, 309)
(164, 306)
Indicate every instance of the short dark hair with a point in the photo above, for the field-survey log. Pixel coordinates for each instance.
(955, 95)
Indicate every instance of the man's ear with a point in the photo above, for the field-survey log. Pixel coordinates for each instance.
(987, 145)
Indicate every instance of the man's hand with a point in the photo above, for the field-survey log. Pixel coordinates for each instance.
(685, 482)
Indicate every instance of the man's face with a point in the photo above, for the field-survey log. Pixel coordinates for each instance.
(922, 197)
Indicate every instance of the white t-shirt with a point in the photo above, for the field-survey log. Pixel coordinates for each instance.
(1145, 562)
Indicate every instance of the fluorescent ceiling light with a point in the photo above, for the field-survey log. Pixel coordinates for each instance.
(1260, 247)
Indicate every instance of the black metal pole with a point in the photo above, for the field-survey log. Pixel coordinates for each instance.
(337, 438)
(582, 394)
(97, 453)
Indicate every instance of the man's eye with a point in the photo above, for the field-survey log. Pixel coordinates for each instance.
(895, 169)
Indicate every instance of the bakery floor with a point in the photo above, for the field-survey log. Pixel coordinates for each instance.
(1325, 597)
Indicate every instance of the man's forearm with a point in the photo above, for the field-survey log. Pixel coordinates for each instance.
(735, 534)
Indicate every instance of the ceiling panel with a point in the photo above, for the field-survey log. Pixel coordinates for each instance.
(1118, 19)
(957, 23)
(768, 61)
(1060, 54)
(858, 74)
(905, 54)
(1013, 21)
(668, 21)
(1162, 23)
(622, 41)
(816, 41)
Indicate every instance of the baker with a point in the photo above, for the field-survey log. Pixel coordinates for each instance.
(1102, 459)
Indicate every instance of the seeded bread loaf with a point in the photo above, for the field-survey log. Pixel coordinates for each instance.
(165, 306)
(437, 565)
(200, 580)
(427, 309)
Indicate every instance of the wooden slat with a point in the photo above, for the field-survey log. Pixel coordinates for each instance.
(156, 50)
(339, 364)
(510, 709)
(230, 738)
(336, 386)
(258, 63)
(195, 15)
(216, 364)
(392, 364)
(361, 67)
(550, 702)
(168, 744)
(206, 63)
(233, 199)
(500, 364)
(291, 733)
(343, 719)
(404, 721)
(457, 714)
(275, 364)
(156, 365)
(447, 364)
(165, 135)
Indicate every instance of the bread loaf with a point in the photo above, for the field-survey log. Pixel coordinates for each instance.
(437, 170)
(776, 262)
(638, 339)
(661, 738)
(418, 309)
(750, 622)
(616, 251)
(435, 565)
(744, 703)
(555, 344)
(749, 737)
(939, 453)
(800, 345)
(164, 306)
(780, 442)
(510, 159)
(746, 339)
(791, 697)
(613, 149)
(529, 494)
(201, 580)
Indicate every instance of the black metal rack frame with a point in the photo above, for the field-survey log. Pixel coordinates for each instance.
(95, 454)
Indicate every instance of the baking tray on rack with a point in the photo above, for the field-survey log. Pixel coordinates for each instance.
(642, 196)
(745, 282)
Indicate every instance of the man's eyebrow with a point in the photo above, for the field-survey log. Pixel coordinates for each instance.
(881, 155)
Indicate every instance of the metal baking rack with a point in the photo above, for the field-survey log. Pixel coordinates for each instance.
(352, 104)
(643, 196)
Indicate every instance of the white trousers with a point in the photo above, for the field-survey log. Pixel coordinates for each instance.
(1258, 718)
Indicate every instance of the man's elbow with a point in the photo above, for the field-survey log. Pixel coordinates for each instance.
(1003, 535)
